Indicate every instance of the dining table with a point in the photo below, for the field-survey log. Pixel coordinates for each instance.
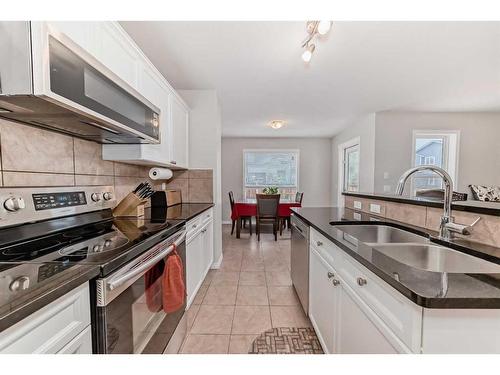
(248, 207)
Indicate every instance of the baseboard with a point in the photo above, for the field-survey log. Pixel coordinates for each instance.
(226, 222)
(216, 265)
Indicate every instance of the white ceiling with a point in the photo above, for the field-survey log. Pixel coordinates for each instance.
(361, 67)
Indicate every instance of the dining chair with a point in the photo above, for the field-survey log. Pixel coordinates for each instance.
(285, 220)
(298, 197)
(267, 212)
(234, 215)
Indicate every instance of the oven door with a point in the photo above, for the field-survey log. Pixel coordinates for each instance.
(130, 317)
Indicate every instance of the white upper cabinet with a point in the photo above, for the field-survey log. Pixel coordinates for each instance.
(180, 132)
(114, 48)
(117, 52)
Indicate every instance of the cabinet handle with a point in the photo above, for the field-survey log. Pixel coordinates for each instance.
(361, 281)
(335, 282)
(173, 162)
(319, 243)
(330, 275)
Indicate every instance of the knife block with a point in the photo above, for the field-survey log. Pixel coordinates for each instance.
(131, 205)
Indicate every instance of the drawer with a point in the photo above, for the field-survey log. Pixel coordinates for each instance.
(81, 344)
(403, 317)
(51, 328)
(326, 248)
(193, 226)
(207, 216)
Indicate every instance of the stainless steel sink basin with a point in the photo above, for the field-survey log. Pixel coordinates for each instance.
(377, 234)
(436, 258)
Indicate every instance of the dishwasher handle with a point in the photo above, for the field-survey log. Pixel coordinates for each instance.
(299, 229)
(147, 261)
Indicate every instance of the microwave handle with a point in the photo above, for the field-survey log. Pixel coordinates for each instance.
(137, 269)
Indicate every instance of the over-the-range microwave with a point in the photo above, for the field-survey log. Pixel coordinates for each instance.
(49, 81)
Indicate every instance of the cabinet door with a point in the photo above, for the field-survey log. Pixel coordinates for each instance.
(357, 334)
(158, 94)
(118, 52)
(81, 344)
(322, 300)
(208, 247)
(194, 266)
(51, 328)
(83, 33)
(180, 124)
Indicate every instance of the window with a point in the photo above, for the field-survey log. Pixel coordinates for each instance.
(351, 168)
(439, 148)
(263, 168)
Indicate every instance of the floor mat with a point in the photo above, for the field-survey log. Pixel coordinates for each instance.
(287, 340)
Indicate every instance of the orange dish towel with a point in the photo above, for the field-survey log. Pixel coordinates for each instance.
(174, 289)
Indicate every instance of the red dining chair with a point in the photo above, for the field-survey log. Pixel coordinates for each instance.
(267, 212)
(234, 215)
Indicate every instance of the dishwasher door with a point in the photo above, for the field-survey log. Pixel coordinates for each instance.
(300, 261)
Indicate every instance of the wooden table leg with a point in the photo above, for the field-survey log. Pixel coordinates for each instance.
(238, 227)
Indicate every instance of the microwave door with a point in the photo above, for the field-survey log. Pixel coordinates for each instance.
(67, 75)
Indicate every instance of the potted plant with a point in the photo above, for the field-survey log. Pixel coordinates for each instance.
(270, 190)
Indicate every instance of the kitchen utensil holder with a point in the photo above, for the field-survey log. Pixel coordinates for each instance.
(131, 205)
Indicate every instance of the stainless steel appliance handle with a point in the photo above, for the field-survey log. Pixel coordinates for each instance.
(299, 229)
(137, 268)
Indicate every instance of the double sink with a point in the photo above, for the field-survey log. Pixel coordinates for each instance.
(414, 250)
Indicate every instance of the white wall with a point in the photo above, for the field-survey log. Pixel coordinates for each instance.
(479, 150)
(205, 129)
(364, 128)
(314, 167)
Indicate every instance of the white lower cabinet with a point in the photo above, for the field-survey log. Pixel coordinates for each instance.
(353, 318)
(81, 344)
(63, 326)
(342, 321)
(199, 252)
(323, 301)
(356, 330)
(361, 313)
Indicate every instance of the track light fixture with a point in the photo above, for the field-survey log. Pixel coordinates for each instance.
(314, 28)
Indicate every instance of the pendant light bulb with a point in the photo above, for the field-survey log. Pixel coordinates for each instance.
(307, 55)
(324, 27)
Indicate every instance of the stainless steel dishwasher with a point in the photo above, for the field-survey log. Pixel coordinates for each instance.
(300, 260)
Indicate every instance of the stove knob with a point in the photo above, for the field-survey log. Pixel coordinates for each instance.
(14, 204)
(96, 197)
(107, 196)
(20, 283)
(107, 243)
(96, 249)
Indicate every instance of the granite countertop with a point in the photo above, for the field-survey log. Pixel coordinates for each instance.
(479, 207)
(19, 305)
(420, 286)
(183, 211)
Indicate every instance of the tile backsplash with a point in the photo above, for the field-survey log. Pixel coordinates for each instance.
(35, 157)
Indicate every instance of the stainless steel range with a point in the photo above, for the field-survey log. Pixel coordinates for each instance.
(44, 231)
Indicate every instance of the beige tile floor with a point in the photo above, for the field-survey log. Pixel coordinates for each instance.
(250, 293)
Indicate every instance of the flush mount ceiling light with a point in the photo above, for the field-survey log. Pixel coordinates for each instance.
(314, 28)
(276, 124)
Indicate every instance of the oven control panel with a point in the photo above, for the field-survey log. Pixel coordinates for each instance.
(46, 201)
(24, 205)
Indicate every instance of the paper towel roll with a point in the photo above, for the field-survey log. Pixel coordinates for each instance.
(160, 173)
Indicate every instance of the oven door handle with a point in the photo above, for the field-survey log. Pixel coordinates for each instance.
(136, 268)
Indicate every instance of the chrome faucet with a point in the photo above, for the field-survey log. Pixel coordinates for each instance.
(447, 227)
